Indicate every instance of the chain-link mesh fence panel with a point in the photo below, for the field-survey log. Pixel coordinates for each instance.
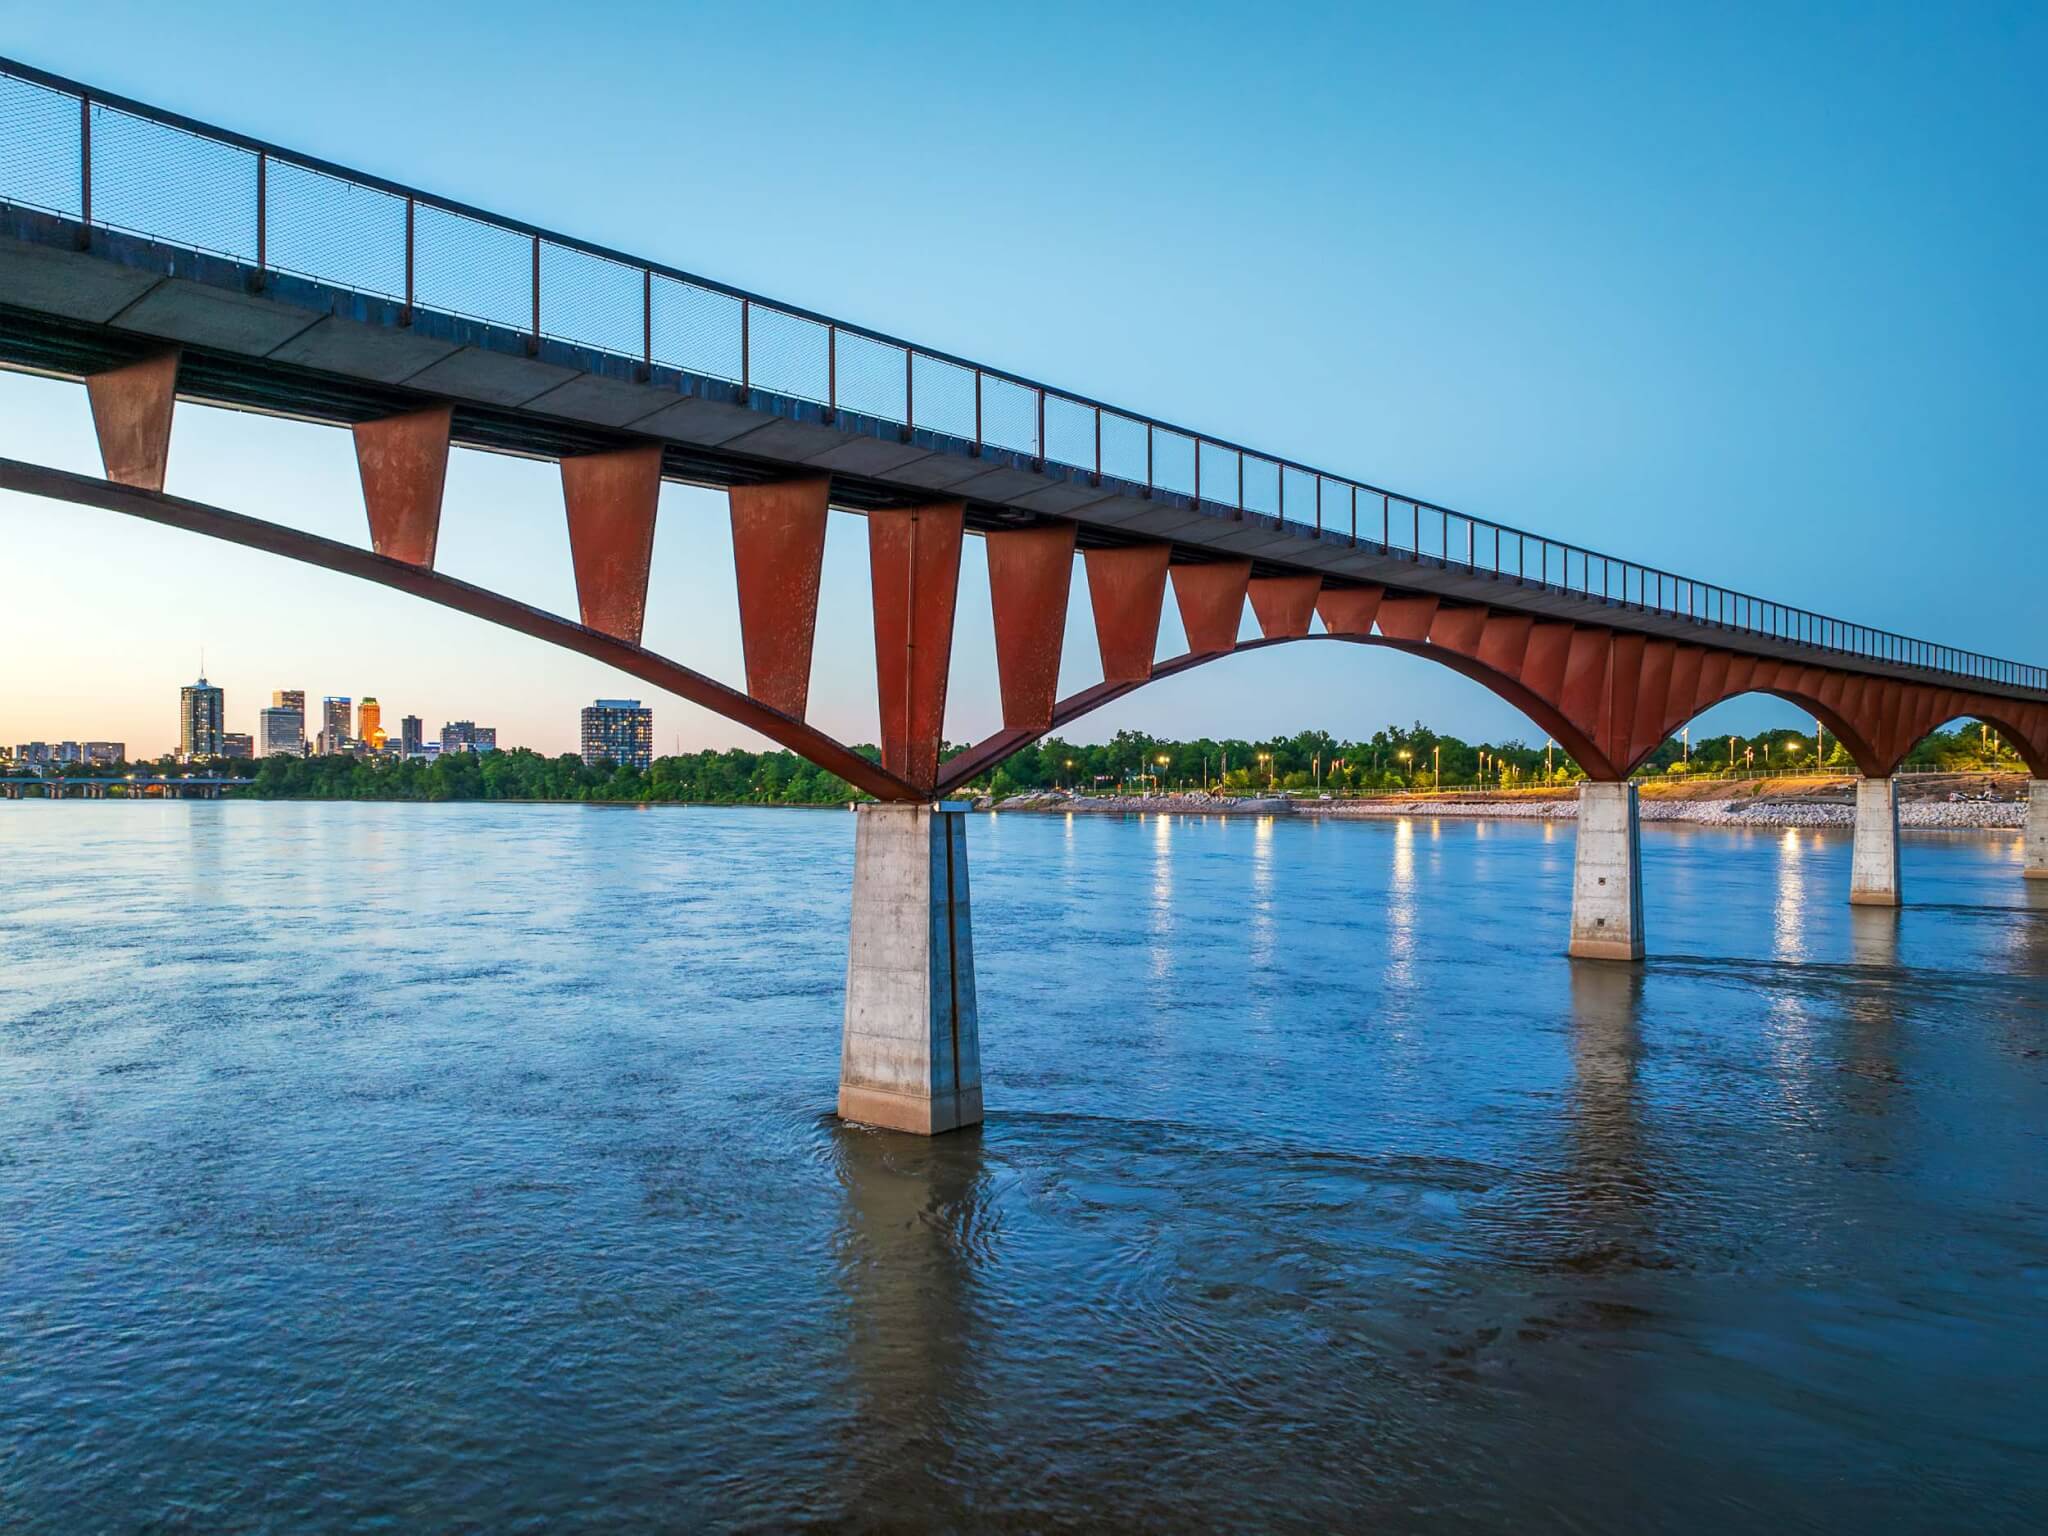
(1009, 415)
(469, 268)
(1219, 474)
(334, 231)
(1299, 496)
(155, 180)
(1123, 447)
(1069, 432)
(1173, 461)
(1261, 485)
(788, 354)
(696, 329)
(592, 301)
(942, 396)
(871, 376)
(40, 164)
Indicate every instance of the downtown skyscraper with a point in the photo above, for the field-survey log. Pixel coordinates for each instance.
(200, 707)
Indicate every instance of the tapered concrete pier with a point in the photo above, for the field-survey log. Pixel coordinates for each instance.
(910, 1059)
(1874, 860)
(1607, 875)
(2037, 830)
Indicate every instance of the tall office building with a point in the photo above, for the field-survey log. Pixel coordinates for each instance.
(199, 715)
(289, 698)
(410, 735)
(370, 724)
(281, 728)
(468, 736)
(618, 731)
(237, 744)
(334, 722)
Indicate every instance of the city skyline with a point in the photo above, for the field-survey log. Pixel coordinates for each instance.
(1513, 352)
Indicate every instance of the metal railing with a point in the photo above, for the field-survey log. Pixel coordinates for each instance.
(108, 162)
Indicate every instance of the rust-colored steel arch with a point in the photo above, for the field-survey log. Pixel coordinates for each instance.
(329, 554)
(1609, 697)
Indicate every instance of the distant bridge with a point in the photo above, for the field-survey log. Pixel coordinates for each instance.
(17, 786)
(158, 258)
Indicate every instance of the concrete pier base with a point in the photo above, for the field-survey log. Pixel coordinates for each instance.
(910, 1059)
(1874, 861)
(1607, 875)
(2036, 867)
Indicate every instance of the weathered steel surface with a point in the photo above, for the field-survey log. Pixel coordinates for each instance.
(1211, 602)
(1030, 575)
(914, 564)
(131, 413)
(1284, 604)
(403, 461)
(611, 499)
(1126, 588)
(778, 555)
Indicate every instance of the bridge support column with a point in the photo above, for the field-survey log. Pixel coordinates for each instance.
(910, 1057)
(2037, 830)
(1607, 875)
(1874, 860)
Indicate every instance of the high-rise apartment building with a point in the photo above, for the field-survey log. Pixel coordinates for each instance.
(370, 724)
(334, 722)
(281, 728)
(618, 731)
(411, 735)
(200, 707)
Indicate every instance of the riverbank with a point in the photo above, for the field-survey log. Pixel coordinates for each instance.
(1808, 801)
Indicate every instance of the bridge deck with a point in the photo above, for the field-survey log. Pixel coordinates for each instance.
(736, 389)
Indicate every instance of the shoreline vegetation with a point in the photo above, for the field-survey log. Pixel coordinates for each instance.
(1952, 778)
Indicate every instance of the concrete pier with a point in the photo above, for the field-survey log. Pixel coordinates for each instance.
(1874, 860)
(2037, 830)
(910, 1058)
(1607, 875)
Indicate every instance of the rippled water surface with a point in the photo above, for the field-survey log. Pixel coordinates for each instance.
(395, 1167)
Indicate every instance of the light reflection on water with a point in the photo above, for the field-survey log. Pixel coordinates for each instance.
(471, 1166)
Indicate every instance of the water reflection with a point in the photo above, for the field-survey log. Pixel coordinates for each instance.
(1611, 1187)
(916, 1229)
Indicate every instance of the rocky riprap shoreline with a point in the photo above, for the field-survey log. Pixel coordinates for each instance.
(1803, 812)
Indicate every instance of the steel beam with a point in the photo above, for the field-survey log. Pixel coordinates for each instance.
(1211, 602)
(611, 499)
(778, 556)
(914, 564)
(1030, 577)
(131, 413)
(403, 461)
(1126, 590)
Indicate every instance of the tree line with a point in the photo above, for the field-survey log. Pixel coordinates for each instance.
(1393, 758)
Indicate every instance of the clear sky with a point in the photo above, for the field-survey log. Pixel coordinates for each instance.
(1754, 294)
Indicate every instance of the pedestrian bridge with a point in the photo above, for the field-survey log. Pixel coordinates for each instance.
(156, 258)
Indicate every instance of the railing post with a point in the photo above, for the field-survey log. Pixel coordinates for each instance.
(647, 320)
(408, 260)
(909, 393)
(832, 376)
(746, 350)
(533, 341)
(1098, 445)
(1354, 502)
(977, 411)
(84, 171)
(1386, 521)
(1041, 425)
(262, 215)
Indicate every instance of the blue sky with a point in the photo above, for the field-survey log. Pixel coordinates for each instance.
(1752, 294)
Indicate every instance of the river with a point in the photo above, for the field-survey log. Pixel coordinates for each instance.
(434, 1167)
